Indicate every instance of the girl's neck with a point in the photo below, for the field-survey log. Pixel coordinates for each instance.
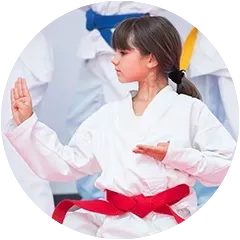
(147, 90)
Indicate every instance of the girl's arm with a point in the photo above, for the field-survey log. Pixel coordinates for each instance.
(212, 152)
(41, 149)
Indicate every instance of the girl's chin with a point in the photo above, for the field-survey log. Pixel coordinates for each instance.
(122, 80)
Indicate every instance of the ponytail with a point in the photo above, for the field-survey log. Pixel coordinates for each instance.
(184, 86)
(188, 88)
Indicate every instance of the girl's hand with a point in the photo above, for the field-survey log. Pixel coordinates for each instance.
(158, 152)
(21, 101)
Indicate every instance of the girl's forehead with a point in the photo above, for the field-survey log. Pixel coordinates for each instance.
(122, 40)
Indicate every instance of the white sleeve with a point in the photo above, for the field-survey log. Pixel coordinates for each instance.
(41, 149)
(212, 150)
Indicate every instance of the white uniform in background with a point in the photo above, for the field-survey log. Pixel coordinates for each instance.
(35, 64)
(229, 86)
(210, 74)
(200, 148)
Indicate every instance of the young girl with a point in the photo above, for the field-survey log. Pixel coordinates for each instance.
(150, 147)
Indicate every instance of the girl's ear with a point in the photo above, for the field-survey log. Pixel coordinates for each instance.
(152, 61)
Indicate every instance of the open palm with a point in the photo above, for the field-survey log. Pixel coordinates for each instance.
(21, 101)
(158, 152)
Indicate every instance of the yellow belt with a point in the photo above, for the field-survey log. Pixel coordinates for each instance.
(188, 48)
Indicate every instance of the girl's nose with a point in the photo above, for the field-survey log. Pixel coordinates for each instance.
(115, 60)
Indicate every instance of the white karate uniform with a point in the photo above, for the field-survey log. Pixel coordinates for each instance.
(207, 71)
(104, 87)
(200, 148)
(35, 64)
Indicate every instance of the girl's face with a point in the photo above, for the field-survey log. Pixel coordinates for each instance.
(130, 65)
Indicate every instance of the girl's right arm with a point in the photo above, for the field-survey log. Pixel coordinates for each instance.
(40, 147)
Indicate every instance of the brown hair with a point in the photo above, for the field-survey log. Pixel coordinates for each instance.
(157, 36)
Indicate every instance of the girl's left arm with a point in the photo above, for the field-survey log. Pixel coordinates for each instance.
(212, 149)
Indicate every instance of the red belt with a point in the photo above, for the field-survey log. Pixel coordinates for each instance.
(118, 204)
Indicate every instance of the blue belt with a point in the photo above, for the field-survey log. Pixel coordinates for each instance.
(104, 23)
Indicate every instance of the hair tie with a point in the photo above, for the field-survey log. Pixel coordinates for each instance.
(176, 76)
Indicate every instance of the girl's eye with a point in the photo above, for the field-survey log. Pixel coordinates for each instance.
(123, 53)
